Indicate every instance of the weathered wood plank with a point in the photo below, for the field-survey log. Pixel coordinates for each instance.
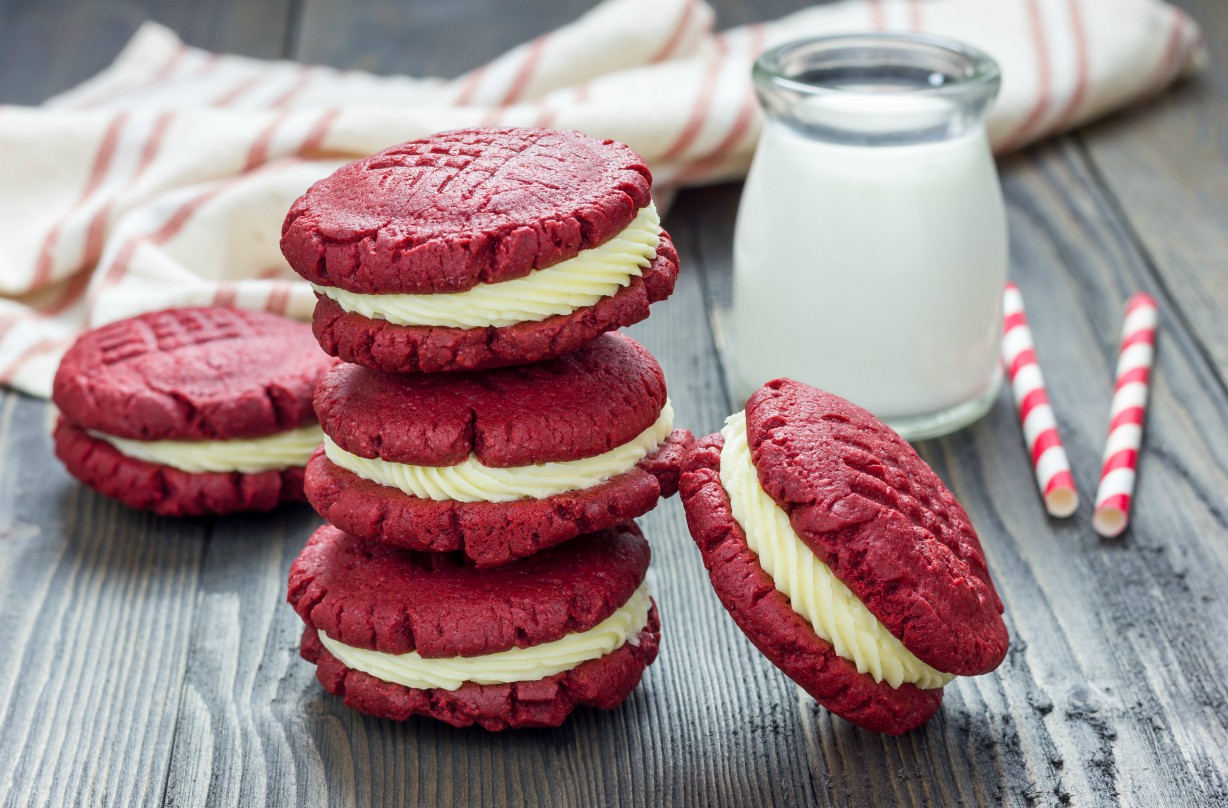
(422, 39)
(1124, 610)
(1165, 166)
(236, 731)
(96, 603)
(46, 48)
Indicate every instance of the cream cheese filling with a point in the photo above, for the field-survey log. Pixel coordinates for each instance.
(573, 284)
(813, 590)
(513, 665)
(470, 481)
(246, 455)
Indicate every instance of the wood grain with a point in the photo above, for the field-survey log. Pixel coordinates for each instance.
(46, 48)
(1164, 166)
(97, 601)
(153, 661)
(422, 39)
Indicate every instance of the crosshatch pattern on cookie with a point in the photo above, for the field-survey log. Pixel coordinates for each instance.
(168, 331)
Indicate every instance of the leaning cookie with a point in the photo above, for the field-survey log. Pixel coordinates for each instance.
(842, 556)
(399, 633)
(480, 248)
(497, 464)
(191, 411)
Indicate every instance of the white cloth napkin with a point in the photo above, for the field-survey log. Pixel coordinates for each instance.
(163, 180)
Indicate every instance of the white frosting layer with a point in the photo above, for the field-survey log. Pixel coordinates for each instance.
(246, 455)
(833, 611)
(470, 481)
(513, 665)
(560, 289)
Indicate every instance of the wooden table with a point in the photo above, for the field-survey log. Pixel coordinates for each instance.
(147, 661)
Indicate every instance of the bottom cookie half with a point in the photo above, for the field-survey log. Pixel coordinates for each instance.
(169, 491)
(382, 345)
(604, 683)
(490, 533)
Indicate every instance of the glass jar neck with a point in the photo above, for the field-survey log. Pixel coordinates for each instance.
(877, 89)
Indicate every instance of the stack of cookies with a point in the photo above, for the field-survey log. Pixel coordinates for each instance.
(489, 436)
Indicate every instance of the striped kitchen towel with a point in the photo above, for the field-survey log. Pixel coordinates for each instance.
(163, 180)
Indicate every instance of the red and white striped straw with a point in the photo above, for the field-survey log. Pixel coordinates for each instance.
(1049, 460)
(1134, 362)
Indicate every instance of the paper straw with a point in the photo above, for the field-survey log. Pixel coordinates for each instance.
(1134, 362)
(1049, 461)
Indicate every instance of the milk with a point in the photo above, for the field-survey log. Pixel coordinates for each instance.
(873, 271)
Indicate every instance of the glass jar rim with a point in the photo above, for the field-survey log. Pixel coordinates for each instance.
(981, 73)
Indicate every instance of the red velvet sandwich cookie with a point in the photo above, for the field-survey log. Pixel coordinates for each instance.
(842, 556)
(191, 411)
(398, 633)
(501, 463)
(480, 248)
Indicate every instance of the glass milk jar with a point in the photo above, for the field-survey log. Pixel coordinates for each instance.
(870, 250)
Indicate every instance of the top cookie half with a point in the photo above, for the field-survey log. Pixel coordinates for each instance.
(447, 212)
(480, 247)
